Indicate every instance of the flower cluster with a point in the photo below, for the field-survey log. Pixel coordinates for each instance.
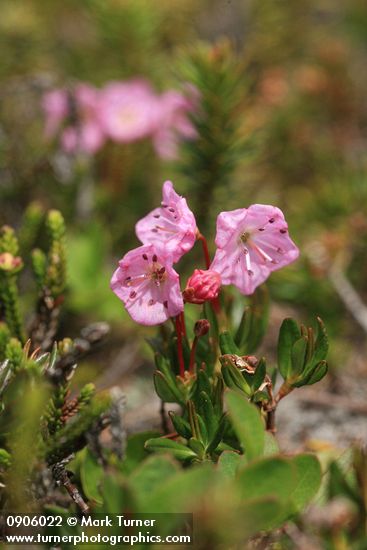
(251, 243)
(127, 111)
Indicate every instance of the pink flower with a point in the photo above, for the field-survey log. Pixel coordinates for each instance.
(252, 242)
(148, 285)
(172, 224)
(203, 285)
(129, 110)
(174, 122)
(55, 106)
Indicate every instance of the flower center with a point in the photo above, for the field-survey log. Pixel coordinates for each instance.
(157, 273)
(244, 237)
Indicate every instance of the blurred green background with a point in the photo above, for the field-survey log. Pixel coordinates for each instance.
(284, 121)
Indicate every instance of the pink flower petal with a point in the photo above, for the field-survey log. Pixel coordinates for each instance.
(148, 285)
(172, 224)
(251, 244)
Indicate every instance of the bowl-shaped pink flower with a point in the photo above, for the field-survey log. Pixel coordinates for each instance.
(129, 110)
(252, 242)
(148, 285)
(202, 286)
(172, 224)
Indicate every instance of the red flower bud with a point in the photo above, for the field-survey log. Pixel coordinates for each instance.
(201, 327)
(202, 286)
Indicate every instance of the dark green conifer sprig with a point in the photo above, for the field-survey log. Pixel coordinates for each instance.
(10, 265)
(56, 269)
(50, 274)
(39, 372)
(209, 160)
(31, 225)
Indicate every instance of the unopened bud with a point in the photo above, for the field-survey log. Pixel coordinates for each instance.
(201, 327)
(202, 286)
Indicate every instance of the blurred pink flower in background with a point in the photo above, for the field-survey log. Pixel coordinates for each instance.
(121, 111)
(172, 224)
(252, 242)
(55, 107)
(86, 134)
(129, 110)
(148, 285)
(174, 122)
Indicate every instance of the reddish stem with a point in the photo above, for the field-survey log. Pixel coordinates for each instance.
(192, 355)
(200, 237)
(179, 346)
(183, 324)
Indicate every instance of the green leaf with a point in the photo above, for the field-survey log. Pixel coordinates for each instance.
(197, 447)
(247, 424)
(135, 451)
(233, 378)
(218, 395)
(322, 343)
(149, 475)
(271, 476)
(178, 450)
(289, 333)
(259, 375)
(217, 438)
(181, 492)
(207, 412)
(116, 494)
(339, 484)
(212, 318)
(244, 328)
(228, 463)
(271, 446)
(166, 390)
(181, 425)
(259, 319)
(227, 345)
(261, 514)
(203, 383)
(298, 357)
(308, 479)
(91, 475)
(315, 376)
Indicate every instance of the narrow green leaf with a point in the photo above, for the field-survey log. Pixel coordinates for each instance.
(322, 343)
(259, 375)
(289, 333)
(233, 378)
(243, 328)
(218, 436)
(178, 450)
(207, 412)
(298, 357)
(181, 425)
(227, 345)
(197, 447)
(166, 391)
